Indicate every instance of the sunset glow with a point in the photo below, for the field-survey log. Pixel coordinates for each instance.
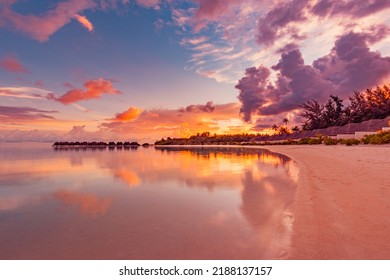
(142, 70)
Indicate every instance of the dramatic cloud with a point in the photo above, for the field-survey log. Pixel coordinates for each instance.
(12, 64)
(128, 115)
(241, 34)
(350, 66)
(253, 88)
(279, 17)
(84, 22)
(94, 90)
(14, 114)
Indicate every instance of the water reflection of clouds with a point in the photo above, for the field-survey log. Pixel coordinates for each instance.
(87, 203)
(268, 183)
(129, 177)
(194, 167)
(267, 206)
(248, 208)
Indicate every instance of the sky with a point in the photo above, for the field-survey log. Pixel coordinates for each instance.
(124, 70)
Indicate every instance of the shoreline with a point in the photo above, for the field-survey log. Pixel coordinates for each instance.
(342, 204)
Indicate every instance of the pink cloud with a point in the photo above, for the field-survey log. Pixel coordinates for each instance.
(24, 92)
(211, 11)
(349, 66)
(94, 90)
(9, 113)
(84, 22)
(12, 64)
(355, 8)
(278, 20)
(279, 17)
(41, 27)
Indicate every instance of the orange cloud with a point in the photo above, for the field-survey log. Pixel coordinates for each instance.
(131, 114)
(153, 124)
(11, 64)
(84, 22)
(95, 89)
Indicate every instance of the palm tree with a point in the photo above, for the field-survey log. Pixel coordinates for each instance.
(295, 128)
(285, 121)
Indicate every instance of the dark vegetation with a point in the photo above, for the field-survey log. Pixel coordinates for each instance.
(206, 138)
(379, 138)
(365, 105)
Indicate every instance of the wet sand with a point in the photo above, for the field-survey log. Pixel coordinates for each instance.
(342, 205)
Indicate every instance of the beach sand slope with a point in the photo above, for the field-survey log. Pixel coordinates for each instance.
(342, 206)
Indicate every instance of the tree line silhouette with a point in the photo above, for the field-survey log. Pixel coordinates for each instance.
(363, 106)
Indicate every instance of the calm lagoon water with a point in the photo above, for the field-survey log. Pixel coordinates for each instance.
(146, 203)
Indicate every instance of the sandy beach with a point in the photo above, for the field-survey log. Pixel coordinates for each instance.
(342, 206)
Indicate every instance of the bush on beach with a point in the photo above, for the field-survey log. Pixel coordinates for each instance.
(314, 141)
(376, 139)
(350, 142)
(330, 141)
